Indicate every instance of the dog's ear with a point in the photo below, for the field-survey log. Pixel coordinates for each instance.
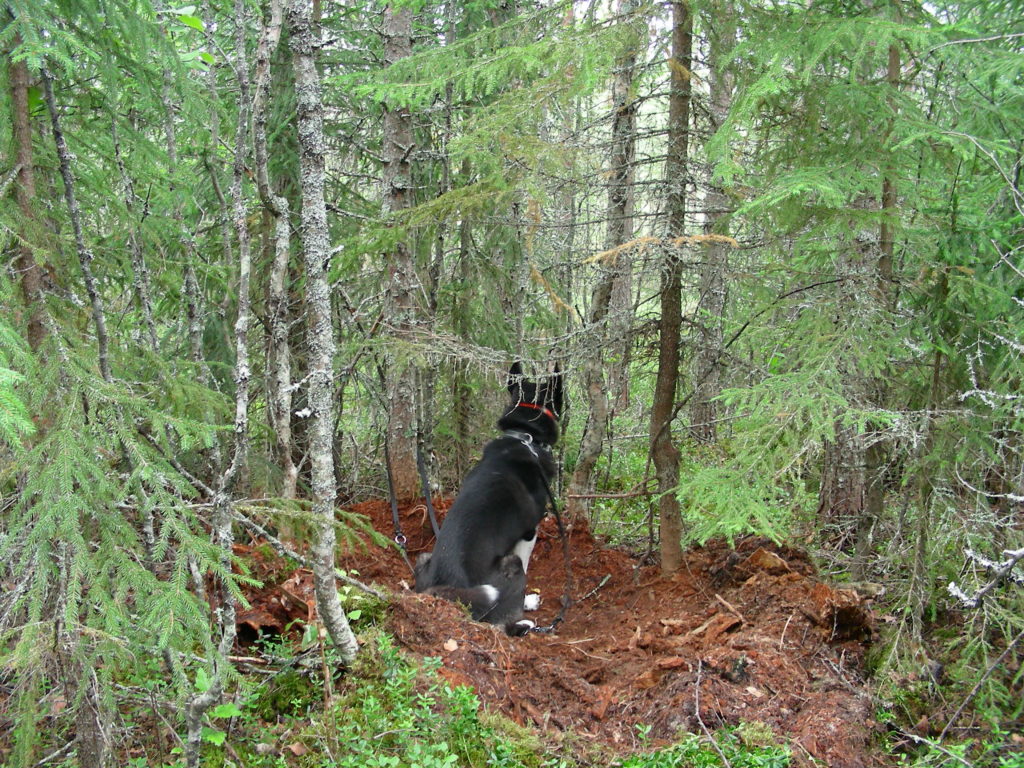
(515, 380)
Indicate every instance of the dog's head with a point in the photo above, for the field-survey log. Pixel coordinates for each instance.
(536, 407)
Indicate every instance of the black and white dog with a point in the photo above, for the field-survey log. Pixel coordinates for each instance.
(485, 543)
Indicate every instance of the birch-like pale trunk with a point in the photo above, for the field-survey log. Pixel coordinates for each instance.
(711, 306)
(403, 281)
(305, 41)
(276, 206)
(664, 454)
(223, 513)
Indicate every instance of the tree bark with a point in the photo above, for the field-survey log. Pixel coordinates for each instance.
(85, 255)
(276, 206)
(93, 717)
(24, 194)
(664, 454)
(610, 312)
(305, 41)
(140, 270)
(621, 203)
(876, 454)
(223, 513)
(403, 281)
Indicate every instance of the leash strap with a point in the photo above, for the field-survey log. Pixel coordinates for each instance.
(400, 538)
(421, 464)
(566, 600)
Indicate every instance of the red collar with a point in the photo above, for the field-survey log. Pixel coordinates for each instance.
(543, 409)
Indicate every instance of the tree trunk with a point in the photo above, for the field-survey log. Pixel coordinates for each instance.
(664, 454)
(93, 716)
(276, 207)
(223, 508)
(140, 270)
(708, 360)
(462, 392)
(841, 497)
(621, 203)
(24, 194)
(403, 282)
(610, 311)
(876, 453)
(85, 255)
(316, 248)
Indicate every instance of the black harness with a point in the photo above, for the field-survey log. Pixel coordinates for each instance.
(534, 446)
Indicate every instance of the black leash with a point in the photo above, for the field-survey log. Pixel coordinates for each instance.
(421, 464)
(566, 600)
(400, 538)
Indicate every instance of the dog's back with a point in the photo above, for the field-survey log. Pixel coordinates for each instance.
(487, 536)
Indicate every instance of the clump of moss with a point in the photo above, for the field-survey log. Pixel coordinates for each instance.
(289, 693)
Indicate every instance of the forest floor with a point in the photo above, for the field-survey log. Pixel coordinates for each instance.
(738, 635)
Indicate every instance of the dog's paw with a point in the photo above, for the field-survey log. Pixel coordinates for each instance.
(531, 602)
(520, 628)
(490, 593)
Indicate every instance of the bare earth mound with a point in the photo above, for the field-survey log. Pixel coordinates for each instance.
(744, 635)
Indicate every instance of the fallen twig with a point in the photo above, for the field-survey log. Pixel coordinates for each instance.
(730, 608)
(595, 590)
(285, 551)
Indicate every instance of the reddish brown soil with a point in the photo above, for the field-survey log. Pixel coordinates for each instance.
(737, 635)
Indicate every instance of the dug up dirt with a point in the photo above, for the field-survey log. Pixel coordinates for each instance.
(744, 634)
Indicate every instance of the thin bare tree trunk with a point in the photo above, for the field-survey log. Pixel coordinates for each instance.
(403, 281)
(24, 194)
(223, 513)
(621, 202)
(707, 365)
(277, 294)
(918, 591)
(140, 271)
(316, 247)
(876, 454)
(85, 255)
(664, 454)
(597, 407)
(92, 717)
(610, 314)
(887, 244)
